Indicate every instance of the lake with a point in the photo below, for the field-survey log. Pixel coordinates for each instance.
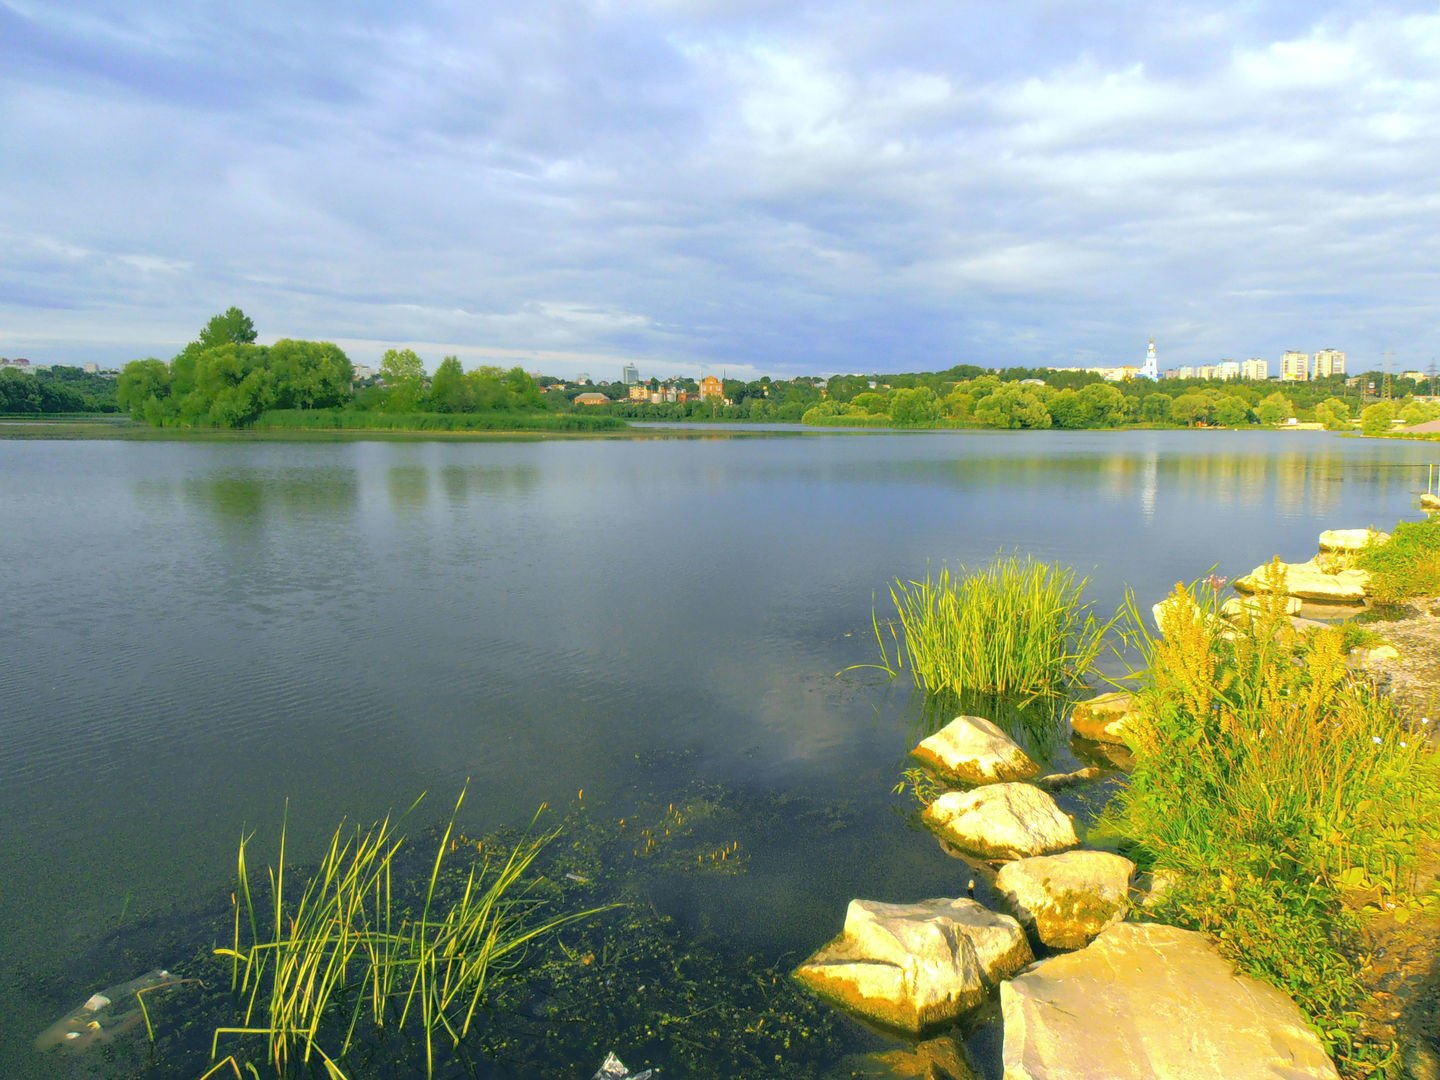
(195, 632)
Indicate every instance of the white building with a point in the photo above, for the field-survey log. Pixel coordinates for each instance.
(1294, 366)
(1227, 369)
(1255, 368)
(630, 374)
(1151, 370)
(1329, 362)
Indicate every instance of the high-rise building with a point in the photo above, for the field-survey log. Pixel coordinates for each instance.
(1207, 371)
(1227, 369)
(1294, 366)
(1329, 362)
(1255, 368)
(1151, 370)
(630, 374)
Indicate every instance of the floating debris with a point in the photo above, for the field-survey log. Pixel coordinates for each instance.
(100, 1020)
(612, 1068)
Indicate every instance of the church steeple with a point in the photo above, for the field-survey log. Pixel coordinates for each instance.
(1151, 370)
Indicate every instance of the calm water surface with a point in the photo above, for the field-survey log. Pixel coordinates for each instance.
(195, 632)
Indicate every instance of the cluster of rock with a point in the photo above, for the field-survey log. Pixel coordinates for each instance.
(1134, 1000)
(1330, 577)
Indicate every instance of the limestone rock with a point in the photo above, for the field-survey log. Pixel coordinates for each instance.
(1309, 581)
(1350, 541)
(1234, 607)
(1108, 718)
(1429, 502)
(1147, 1001)
(972, 749)
(1068, 898)
(1001, 822)
(913, 966)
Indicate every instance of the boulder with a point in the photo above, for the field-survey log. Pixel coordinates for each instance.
(1429, 502)
(1309, 581)
(1109, 718)
(1147, 1001)
(1068, 898)
(1350, 541)
(1001, 822)
(914, 966)
(975, 751)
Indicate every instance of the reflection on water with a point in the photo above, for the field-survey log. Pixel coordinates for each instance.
(205, 630)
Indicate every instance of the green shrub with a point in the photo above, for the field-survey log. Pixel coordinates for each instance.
(1408, 564)
(1014, 626)
(1274, 784)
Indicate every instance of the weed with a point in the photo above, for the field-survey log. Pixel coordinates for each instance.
(1408, 564)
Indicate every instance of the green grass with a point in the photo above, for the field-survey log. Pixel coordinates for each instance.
(1013, 627)
(350, 949)
(1406, 565)
(1276, 787)
(353, 420)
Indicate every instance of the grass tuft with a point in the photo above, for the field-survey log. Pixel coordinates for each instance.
(311, 966)
(1011, 627)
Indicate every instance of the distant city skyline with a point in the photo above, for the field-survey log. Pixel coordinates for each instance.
(760, 188)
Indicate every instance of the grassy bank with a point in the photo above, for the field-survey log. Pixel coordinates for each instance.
(353, 420)
(1280, 796)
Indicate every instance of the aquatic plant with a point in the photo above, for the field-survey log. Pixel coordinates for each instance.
(1279, 791)
(351, 948)
(1013, 626)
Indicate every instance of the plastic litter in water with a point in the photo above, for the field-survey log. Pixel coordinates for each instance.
(612, 1068)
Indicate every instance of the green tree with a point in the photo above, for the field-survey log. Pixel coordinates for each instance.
(450, 391)
(309, 374)
(231, 327)
(1190, 409)
(1333, 414)
(1101, 406)
(139, 382)
(403, 373)
(1274, 409)
(918, 407)
(1155, 408)
(1012, 406)
(1376, 419)
(1417, 412)
(1231, 411)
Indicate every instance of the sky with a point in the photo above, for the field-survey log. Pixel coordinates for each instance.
(738, 186)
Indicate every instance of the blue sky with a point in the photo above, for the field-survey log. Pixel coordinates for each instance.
(748, 186)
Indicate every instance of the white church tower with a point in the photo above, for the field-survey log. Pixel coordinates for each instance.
(1151, 370)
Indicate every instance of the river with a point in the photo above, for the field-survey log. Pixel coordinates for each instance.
(195, 632)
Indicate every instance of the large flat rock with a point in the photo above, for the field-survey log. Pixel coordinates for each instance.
(1350, 541)
(916, 966)
(1149, 1001)
(1001, 822)
(975, 751)
(1309, 581)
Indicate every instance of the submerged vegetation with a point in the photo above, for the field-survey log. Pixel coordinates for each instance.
(348, 951)
(1277, 793)
(1015, 627)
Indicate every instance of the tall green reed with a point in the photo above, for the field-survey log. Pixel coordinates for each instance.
(1012, 627)
(310, 967)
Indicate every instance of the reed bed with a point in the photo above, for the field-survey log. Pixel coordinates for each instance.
(1281, 792)
(351, 949)
(1011, 627)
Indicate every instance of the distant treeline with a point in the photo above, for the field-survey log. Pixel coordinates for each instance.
(56, 390)
(224, 380)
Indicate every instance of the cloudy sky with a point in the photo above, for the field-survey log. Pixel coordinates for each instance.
(747, 185)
